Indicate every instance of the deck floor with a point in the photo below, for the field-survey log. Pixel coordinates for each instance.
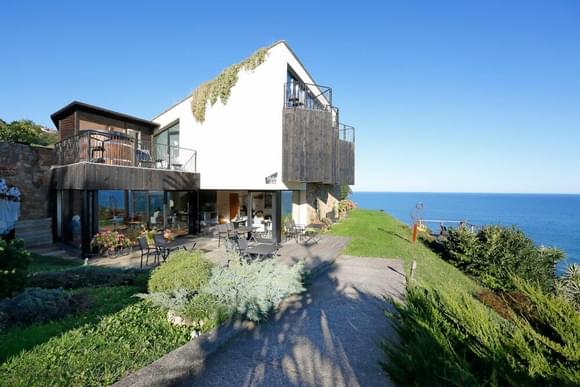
(315, 254)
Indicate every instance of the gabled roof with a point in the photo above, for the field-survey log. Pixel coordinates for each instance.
(85, 107)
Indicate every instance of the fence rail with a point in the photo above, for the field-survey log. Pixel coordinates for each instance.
(114, 148)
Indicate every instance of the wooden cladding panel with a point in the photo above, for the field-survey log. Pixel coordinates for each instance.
(66, 127)
(89, 176)
(309, 147)
(312, 151)
(345, 163)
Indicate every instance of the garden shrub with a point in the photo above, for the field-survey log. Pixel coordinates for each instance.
(206, 312)
(14, 261)
(494, 253)
(85, 276)
(446, 337)
(568, 285)
(254, 289)
(36, 305)
(174, 300)
(183, 270)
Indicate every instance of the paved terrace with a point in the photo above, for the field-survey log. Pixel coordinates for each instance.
(317, 255)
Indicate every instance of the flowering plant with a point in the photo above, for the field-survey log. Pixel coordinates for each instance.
(12, 193)
(345, 205)
(109, 240)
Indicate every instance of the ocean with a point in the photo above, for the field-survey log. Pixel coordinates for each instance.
(550, 220)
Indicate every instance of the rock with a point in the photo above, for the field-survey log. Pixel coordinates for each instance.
(177, 320)
(194, 334)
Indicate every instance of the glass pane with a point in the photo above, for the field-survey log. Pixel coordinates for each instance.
(71, 217)
(139, 213)
(112, 210)
(177, 219)
(156, 209)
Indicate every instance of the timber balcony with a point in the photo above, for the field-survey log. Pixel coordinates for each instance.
(119, 149)
(317, 147)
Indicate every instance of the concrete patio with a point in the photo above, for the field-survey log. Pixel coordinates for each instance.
(316, 255)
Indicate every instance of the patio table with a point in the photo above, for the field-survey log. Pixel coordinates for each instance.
(262, 250)
(249, 230)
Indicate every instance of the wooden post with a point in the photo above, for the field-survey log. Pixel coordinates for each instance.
(413, 269)
(415, 231)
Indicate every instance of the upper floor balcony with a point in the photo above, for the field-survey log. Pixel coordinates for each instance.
(120, 149)
(317, 147)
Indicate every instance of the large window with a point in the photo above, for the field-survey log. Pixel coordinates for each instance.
(298, 94)
(112, 210)
(167, 147)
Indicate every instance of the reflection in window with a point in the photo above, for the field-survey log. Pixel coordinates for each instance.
(112, 210)
(177, 218)
(167, 147)
(156, 209)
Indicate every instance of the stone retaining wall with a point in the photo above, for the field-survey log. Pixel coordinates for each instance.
(28, 168)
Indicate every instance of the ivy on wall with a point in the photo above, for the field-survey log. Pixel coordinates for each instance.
(221, 86)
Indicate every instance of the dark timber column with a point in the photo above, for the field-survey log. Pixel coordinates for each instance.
(249, 204)
(85, 222)
(277, 216)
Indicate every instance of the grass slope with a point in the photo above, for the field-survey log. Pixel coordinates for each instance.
(376, 234)
(104, 301)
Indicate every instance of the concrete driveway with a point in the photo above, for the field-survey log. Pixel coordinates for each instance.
(327, 337)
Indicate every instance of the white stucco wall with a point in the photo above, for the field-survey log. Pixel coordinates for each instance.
(240, 143)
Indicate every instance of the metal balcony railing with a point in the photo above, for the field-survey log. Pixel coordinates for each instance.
(346, 132)
(307, 96)
(115, 148)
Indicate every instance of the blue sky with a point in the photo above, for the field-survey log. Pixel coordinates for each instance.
(446, 95)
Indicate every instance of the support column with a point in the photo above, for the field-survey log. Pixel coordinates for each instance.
(277, 216)
(85, 223)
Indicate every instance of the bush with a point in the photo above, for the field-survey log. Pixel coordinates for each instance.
(494, 253)
(85, 276)
(183, 270)
(14, 261)
(254, 289)
(173, 300)
(449, 338)
(569, 285)
(206, 312)
(37, 305)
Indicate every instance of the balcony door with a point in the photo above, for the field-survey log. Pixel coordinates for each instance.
(167, 147)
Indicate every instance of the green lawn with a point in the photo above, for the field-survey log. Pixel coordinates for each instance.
(39, 263)
(104, 301)
(377, 234)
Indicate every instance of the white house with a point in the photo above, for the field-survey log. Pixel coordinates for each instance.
(268, 139)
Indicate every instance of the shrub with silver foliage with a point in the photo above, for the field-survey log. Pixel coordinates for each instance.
(254, 289)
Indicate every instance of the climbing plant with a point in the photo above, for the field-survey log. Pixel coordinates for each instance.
(221, 86)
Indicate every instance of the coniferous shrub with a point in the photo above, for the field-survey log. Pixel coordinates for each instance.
(14, 261)
(183, 270)
(494, 253)
(569, 285)
(36, 305)
(206, 312)
(174, 300)
(254, 289)
(447, 338)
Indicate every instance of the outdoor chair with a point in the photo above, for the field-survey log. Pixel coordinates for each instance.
(312, 233)
(163, 250)
(146, 251)
(144, 158)
(294, 230)
(223, 232)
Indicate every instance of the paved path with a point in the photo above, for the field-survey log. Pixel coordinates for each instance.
(326, 338)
